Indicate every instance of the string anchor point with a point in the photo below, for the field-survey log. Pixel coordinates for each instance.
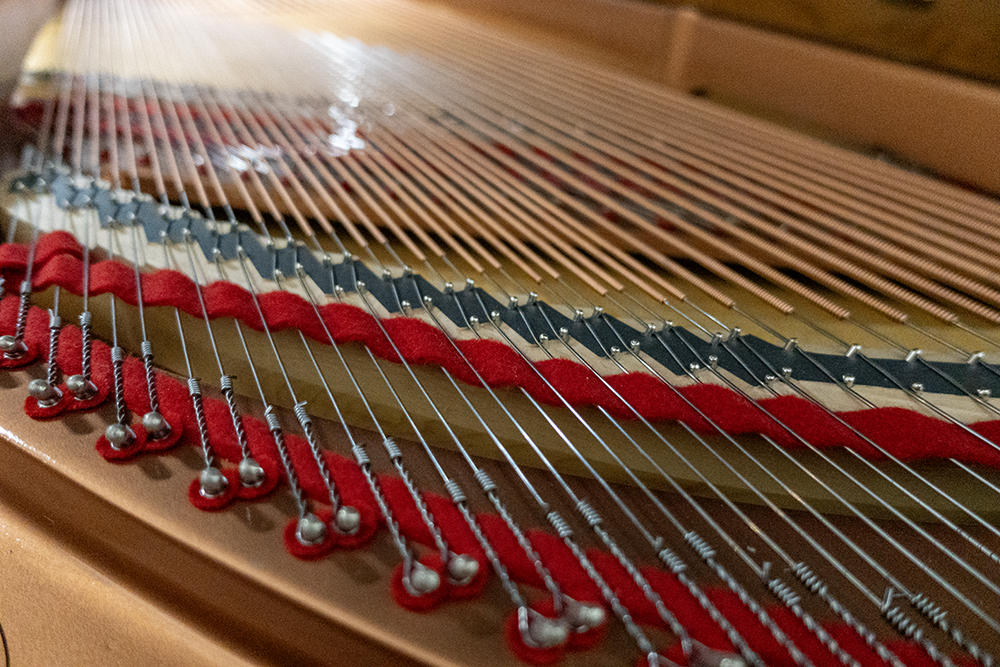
(156, 425)
(310, 531)
(83, 388)
(347, 520)
(539, 631)
(120, 436)
(213, 482)
(583, 616)
(13, 347)
(421, 580)
(462, 568)
(251, 473)
(45, 394)
(702, 656)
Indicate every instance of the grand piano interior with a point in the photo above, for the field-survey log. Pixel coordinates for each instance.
(729, 273)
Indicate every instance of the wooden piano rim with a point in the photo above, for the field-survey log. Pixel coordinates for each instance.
(942, 123)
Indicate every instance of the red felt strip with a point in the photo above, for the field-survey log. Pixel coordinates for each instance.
(893, 429)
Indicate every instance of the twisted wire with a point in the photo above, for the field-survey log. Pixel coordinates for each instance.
(147, 362)
(54, 373)
(609, 595)
(425, 513)
(85, 341)
(679, 631)
(678, 567)
(119, 377)
(707, 555)
(797, 655)
(781, 590)
(936, 615)
(909, 629)
(731, 633)
(310, 432)
(491, 555)
(815, 585)
(22, 311)
(522, 540)
(398, 540)
(286, 461)
(226, 387)
(194, 389)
